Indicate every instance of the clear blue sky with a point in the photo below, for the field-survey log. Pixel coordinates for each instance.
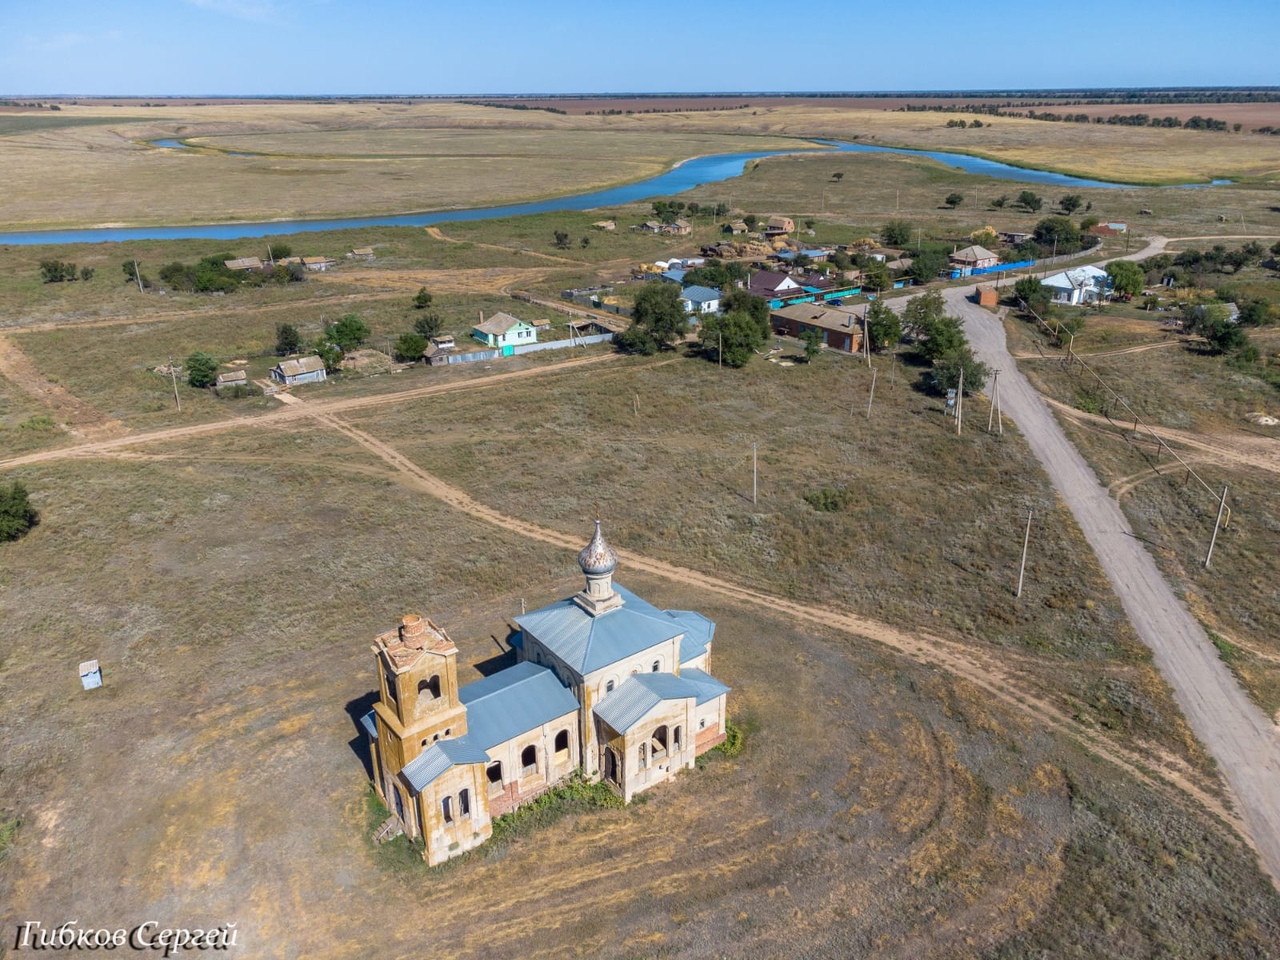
(248, 47)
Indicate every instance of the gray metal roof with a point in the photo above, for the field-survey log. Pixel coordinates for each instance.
(698, 631)
(632, 702)
(709, 688)
(512, 702)
(588, 643)
(368, 723)
(439, 757)
(700, 294)
(293, 368)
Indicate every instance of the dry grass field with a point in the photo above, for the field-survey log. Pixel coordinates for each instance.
(991, 778)
(93, 165)
(230, 586)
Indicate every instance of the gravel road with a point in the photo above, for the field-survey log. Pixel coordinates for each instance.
(1245, 743)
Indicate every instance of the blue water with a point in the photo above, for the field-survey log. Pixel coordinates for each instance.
(686, 176)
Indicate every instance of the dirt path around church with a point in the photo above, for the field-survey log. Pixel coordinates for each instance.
(984, 672)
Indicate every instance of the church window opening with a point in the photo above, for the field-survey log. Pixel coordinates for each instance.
(464, 803)
(430, 687)
(608, 687)
(391, 688)
(562, 742)
(494, 775)
(529, 760)
(657, 665)
(446, 808)
(644, 755)
(659, 742)
(675, 740)
(702, 724)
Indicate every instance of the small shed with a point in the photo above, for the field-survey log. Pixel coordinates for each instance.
(361, 253)
(317, 263)
(987, 297)
(301, 370)
(232, 378)
(90, 675)
(243, 263)
(541, 326)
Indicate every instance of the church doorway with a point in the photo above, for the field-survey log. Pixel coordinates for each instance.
(610, 765)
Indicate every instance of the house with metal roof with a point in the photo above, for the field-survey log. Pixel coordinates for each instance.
(504, 330)
(972, 258)
(1080, 285)
(299, 370)
(838, 327)
(606, 684)
(698, 300)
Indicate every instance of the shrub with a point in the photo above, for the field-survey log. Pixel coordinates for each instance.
(17, 515)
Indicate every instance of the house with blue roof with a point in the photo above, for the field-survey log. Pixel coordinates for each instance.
(605, 683)
(698, 300)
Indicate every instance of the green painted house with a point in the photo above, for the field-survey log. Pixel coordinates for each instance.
(504, 330)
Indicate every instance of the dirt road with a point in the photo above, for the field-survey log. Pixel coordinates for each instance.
(1243, 741)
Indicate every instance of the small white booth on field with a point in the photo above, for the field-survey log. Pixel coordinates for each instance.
(90, 675)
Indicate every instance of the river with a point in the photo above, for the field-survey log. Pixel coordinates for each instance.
(684, 176)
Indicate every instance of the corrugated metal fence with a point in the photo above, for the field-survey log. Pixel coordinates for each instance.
(511, 351)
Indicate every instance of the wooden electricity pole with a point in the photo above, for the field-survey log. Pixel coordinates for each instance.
(137, 275)
(960, 402)
(1222, 505)
(872, 398)
(1026, 538)
(753, 473)
(174, 374)
(995, 404)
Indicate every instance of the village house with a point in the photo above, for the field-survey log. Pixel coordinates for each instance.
(319, 264)
(698, 300)
(243, 263)
(232, 378)
(1014, 237)
(361, 253)
(736, 228)
(605, 683)
(770, 284)
(839, 328)
(300, 370)
(504, 330)
(1080, 285)
(972, 258)
(678, 228)
(779, 227)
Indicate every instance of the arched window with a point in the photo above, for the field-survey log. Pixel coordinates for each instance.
(529, 760)
(608, 687)
(657, 665)
(446, 808)
(431, 688)
(562, 741)
(493, 773)
(660, 742)
(464, 803)
(675, 740)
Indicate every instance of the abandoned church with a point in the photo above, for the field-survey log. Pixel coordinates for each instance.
(605, 682)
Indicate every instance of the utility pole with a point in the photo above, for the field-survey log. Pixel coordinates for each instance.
(1026, 538)
(1222, 505)
(960, 402)
(872, 398)
(720, 352)
(137, 275)
(174, 374)
(995, 404)
(753, 473)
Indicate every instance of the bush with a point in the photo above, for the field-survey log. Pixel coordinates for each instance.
(896, 233)
(17, 516)
(735, 740)
(409, 347)
(202, 370)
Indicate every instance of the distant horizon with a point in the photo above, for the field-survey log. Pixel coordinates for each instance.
(321, 48)
(1046, 92)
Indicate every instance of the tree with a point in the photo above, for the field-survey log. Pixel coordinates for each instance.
(349, 332)
(287, 339)
(1028, 200)
(954, 200)
(427, 325)
(837, 176)
(562, 239)
(1127, 278)
(1071, 203)
(1000, 201)
(1059, 232)
(422, 299)
(279, 251)
(875, 275)
(750, 219)
(730, 338)
(1033, 292)
(585, 242)
(657, 319)
(926, 265)
(947, 367)
(896, 233)
(757, 308)
(17, 516)
(808, 224)
(56, 271)
(330, 353)
(133, 273)
(884, 326)
(409, 347)
(202, 370)
(812, 340)
(1210, 320)
(922, 313)
(86, 273)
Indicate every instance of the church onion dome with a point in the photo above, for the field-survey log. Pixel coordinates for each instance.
(597, 557)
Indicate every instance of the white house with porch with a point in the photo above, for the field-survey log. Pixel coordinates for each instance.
(1079, 285)
(504, 330)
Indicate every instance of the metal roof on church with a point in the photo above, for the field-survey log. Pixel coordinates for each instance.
(369, 724)
(439, 757)
(588, 643)
(708, 686)
(632, 702)
(512, 702)
(698, 631)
